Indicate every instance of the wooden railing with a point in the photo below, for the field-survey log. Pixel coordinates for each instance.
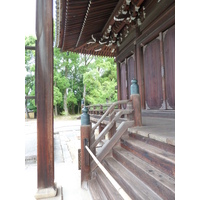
(111, 114)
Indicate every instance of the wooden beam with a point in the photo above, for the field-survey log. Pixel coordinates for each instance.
(29, 97)
(45, 138)
(111, 20)
(30, 48)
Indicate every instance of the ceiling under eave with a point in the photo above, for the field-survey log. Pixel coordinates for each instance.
(95, 27)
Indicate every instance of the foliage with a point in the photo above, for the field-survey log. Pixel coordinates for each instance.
(30, 72)
(71, 102)
(57, 96)
(71, 72)
(100, 81)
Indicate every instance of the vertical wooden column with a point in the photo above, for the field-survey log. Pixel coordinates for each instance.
(137, 109)
(162, 70)
(45, 140)
(85, 158)
(118, 83)
(140, 73)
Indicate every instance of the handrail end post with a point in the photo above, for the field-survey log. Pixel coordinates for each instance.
(85, 157)
(137, 109)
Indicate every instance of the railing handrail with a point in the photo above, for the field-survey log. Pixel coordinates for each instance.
(110, 178)
(107, 111)
(105, 130)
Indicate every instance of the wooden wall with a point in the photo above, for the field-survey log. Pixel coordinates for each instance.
(148, 55)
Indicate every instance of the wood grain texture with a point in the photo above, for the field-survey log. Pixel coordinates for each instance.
(135, 188)
(45, 140)
(169, 55)
(160, 159)
(159, 182)
(95, 190)
(108, 189)
(152, 75)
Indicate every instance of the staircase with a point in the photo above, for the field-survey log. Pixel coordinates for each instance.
(143, 167)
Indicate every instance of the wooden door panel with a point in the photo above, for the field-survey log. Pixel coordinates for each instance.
(152, 75)
(131, 67)
(169, 60)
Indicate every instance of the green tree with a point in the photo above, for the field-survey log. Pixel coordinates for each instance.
(100, 81)
(30, 74)
(71, 102)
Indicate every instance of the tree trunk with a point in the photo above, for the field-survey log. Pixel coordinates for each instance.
(65, 102)
(65, 94)
(56, 111)
(78, 108)
(27, 115)
(73, 109)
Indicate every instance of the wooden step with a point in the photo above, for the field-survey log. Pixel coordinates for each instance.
(108, 189)
(95, 190)
(159, 182)
(161, 145)
(134, 187)
(161, 159)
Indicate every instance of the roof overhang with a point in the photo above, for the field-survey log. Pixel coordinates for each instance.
(96, 27)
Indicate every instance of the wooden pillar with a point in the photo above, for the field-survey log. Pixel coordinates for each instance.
(85, 158)
(137, 109)
(118, 83)
(140, 73)
(162, 70)
(45, 139)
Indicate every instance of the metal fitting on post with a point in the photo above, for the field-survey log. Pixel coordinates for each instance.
(134, 87)
(85, 117)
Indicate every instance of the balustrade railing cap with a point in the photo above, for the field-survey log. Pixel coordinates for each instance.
(85, 110)
(133, 81)
(134, 87)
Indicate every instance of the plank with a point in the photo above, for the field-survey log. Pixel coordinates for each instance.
(134, 187)
(109, 190)
(159, 182)
(95, 190)
(109, 145)
(164, 161)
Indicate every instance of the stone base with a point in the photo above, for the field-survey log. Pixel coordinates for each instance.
(49, 193)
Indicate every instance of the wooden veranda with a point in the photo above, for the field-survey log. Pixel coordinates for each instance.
(140, 34)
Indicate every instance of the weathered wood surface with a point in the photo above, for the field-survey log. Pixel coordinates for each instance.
(96, 190)
(169, 63)
(123, 83)
(109, 190)
(85, 157)
(159, 182)
(134, 187)
(45, 140)
(161, 145)
(152, 75)
(108, 146)
(137, 109)
(30, 48)
(164, 161)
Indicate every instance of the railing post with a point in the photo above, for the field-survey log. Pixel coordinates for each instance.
(113, 129)
(101, 110)
(85, 141)
(94, 110)
(130, 117)
(135, 97)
